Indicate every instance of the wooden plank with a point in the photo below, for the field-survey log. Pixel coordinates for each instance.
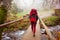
(29, 34)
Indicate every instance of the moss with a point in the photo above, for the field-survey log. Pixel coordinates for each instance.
(1, 30)
(51, 21)
(3, 14)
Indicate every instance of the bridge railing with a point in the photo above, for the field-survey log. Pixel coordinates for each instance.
(47, 30)
(8, 23)
(2, 25)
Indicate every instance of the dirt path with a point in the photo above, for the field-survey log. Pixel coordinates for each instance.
(29, 34)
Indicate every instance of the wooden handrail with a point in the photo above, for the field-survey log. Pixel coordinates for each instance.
(47, 30)
(2, 25)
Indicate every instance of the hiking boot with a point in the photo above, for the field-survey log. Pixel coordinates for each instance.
(34, 35)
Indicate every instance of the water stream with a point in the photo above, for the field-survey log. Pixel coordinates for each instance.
(17, 35)
(13, 35)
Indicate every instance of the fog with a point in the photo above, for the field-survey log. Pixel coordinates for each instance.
(28, 4)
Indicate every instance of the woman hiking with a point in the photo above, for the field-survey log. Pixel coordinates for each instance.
(33, 20)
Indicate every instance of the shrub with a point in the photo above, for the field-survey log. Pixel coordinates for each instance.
(51, 21)
(3, 14)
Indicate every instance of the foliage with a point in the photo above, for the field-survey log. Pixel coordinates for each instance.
(3, 13)
(14, 8)
(24, 23)
(21, 25)
(57, 12)
(51, 21)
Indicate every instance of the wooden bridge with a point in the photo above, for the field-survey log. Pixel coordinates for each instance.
(29, 35)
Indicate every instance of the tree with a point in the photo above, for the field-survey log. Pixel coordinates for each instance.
(4, 7)
(47, 4)
(3, 15)
(14, 9)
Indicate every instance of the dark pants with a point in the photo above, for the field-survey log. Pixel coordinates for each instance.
(33, 27)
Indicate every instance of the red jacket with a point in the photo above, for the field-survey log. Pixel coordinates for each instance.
(33, 11)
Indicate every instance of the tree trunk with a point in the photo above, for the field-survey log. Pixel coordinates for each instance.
(3, 15)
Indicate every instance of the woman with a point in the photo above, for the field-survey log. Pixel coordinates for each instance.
(33, 20)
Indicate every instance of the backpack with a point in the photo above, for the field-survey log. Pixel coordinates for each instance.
(33, 18)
